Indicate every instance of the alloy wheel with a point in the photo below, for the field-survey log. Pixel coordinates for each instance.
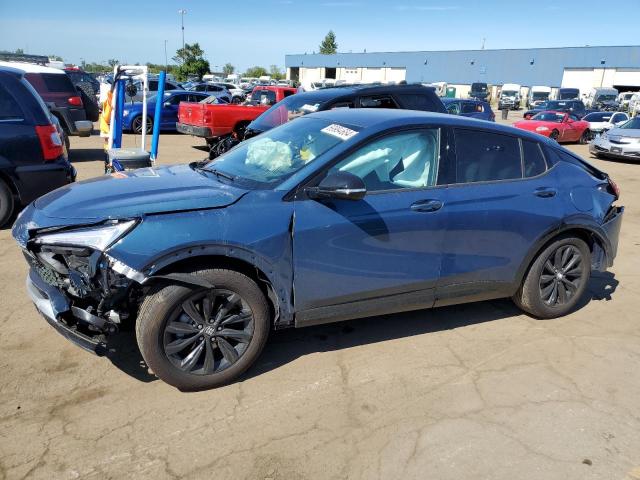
(137, 125)
(208, 332)
(561, 276)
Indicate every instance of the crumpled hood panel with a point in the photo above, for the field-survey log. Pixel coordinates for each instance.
(144, 191)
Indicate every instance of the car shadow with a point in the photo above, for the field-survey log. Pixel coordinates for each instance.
(286, 346)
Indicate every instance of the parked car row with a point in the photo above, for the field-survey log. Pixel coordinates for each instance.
(33, 154)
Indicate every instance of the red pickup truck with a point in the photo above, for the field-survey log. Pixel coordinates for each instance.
(214, 122)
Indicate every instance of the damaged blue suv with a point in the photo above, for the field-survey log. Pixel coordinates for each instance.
(336, 215)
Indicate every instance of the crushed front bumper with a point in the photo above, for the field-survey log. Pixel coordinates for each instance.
(54, 306)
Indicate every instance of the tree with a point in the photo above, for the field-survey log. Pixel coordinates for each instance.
(228, 69)
(255, 72)
(56, 58)
(191, 61)
(19, 51)
(329, 45)
(275, 72)
(113, 62)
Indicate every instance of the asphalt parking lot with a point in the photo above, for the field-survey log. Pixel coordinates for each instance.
(475, 391)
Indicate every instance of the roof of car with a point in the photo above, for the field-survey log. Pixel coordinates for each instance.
(382, 118)
(12, 70)
(31, 67)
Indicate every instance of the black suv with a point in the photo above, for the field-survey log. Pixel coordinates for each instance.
(33, 160)
(571, 106)
(480, 91)
(406, 97)
(60, 95)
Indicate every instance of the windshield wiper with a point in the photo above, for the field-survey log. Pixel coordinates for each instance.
(217, 173)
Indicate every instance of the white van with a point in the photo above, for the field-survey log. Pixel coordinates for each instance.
(510, 96)
(602, 98)
(537, 95)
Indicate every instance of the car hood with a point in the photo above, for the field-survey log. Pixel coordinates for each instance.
(624, 132)
(136, 193)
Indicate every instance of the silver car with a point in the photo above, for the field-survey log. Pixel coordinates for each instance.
(619, 142)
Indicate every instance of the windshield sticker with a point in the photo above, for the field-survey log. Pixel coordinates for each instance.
(343, 133)
(309, 108)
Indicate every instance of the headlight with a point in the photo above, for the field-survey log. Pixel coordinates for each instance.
(98, 238)
(542, 129)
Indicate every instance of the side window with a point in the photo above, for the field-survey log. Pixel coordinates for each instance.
(9, 108)
(534, 163)
(287, 93)
(453, 108)
(483, 156)
(153, 85)
(379, 101)
(341, 104)
(468, 107)
(176, 99)
(416, 101)
(573, 117)
(396, 161)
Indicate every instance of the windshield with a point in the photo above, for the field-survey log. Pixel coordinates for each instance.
(606, 98)
(540, 95)
(559, 105)
(568, 94)
(597, 117)
(269, 159)
(627, 96)
(509, 93)
(291, 107)
(479, 87)
(549, 117)
(633, 124)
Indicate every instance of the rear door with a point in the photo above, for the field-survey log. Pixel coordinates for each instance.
(504, 198)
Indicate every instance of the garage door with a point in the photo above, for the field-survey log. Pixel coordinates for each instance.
(582, 78)
(629, 77)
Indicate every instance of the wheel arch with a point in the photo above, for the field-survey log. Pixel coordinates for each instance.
(596, 241)
(243, 261)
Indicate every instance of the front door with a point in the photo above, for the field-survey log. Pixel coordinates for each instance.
(383, 253)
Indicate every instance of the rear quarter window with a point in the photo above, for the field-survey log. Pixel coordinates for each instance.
(56, 83)
(9, 108)
(416, 101)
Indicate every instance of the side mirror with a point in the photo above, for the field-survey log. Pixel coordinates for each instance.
(341, 185)
(166, 104)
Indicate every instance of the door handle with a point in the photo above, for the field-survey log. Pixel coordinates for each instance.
(427, 206)
(545, 192)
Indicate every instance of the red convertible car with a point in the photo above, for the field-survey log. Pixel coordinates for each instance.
(559, 126)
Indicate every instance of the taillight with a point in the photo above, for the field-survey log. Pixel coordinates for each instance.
(75, 101)
(615, 190)
(50, 141)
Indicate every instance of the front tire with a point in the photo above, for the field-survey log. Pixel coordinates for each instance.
(196, 338)
(557, 279)
(6, 203)
(585, 137)
(136, 125)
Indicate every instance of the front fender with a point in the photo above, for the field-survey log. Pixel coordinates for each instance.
(255, 230)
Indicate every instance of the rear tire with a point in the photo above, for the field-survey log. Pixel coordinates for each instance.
(6, 203)
(163, 323)
(136, 125)
(585, 137)
(557, 279)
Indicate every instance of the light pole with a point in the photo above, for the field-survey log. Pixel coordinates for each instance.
(182, 13)
(166, 64)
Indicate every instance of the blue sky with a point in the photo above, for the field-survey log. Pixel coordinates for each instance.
(261, 32)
